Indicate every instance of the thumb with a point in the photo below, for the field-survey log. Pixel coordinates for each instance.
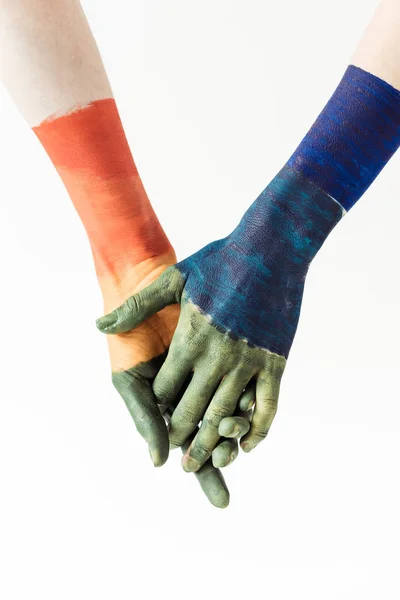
(165, 290)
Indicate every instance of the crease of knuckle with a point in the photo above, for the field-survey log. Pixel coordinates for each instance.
(206, 474)
(163, 393)
(176, 440)
(199, 452)
(216, 414)
(269, 407)
(132, 305)
(259, 435)
(186, 416)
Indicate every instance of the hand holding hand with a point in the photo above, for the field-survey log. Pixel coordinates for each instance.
(146, 348)
(240, 304)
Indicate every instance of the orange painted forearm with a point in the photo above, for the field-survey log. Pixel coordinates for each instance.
(89, 149)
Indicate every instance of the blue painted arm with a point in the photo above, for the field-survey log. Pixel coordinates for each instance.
(241, 296)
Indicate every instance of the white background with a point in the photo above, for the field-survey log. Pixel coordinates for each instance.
(214, 97)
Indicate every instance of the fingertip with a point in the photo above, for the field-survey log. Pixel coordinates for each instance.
(213, 484)
(219, 457)
(217, 460)
(158, 457)
(215, 488)
(221, 500)
(246, 446)
(105, 323)
(189, 464)
(226, 427)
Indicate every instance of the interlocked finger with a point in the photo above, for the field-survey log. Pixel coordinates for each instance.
(222, 405)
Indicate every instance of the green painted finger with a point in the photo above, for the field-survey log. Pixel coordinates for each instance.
(171, 379)
(222, 405)
(139, 398)
(248, 397)
(211, 481)
(165, 290)
(267, 393)
(190, 409)
(233, 427)
(225, 453)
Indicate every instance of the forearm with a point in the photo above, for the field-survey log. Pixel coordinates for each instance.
(359, 129)
(263, 264)
(53, 70)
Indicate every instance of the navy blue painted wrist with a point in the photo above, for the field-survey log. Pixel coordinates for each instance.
(251, 283)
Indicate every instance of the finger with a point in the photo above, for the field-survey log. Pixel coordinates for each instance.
(171, 378)
(139, 398)
(248, 397)
(225, 453)
(222, 405)
(211, 482)
(233, 427)
(267, 393)
(165, 290)
(190, 409)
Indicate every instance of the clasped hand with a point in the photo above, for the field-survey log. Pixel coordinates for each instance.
(240, 302)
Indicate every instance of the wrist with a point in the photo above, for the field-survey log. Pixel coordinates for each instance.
(289, 221)
(120, 245)
(133, 277)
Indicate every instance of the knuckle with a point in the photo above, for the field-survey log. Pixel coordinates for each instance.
(162, 391)
(260, 434)
(132, 304)
(188, 416)
(175, 441)
(200, 452)
(216, 414)
(177, 437)
(270, 406)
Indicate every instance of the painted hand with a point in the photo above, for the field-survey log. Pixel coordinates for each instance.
(146, 349)
(240, 304)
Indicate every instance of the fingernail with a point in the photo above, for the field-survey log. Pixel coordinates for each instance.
(155, 457)
(190, 465)
(222, 501)
(105, 322)
(246, 447)
(225, 431)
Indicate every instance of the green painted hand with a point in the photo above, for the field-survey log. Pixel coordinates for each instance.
(146, 349)
(240, 305)
(222, 370)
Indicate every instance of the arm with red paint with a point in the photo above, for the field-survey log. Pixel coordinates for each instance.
(52, 68)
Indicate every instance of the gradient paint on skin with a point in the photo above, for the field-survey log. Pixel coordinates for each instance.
(90, 152)
(353, 138)
(241, 296)
(262, 265)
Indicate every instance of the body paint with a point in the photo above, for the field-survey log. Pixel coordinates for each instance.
(90, 152)
(353, 138)
(240, 304)
(241, 296)
(53, 70)
(262, 265)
